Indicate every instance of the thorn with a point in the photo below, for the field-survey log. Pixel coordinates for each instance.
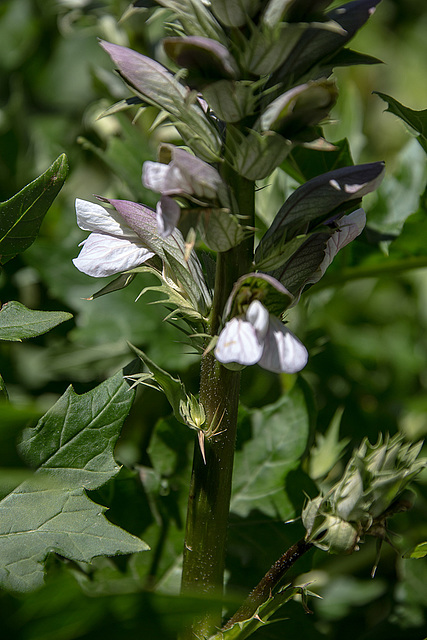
(201, 437)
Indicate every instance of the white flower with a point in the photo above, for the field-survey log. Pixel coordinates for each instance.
(259, 337)
(185, 175)
(112, 247)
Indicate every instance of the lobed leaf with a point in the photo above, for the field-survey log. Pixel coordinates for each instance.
(415, 119)
(71, 449)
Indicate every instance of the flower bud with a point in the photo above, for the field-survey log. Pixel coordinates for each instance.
(375, 476)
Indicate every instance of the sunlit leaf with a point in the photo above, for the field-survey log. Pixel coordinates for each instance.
(420, 551)
(17, 322)
(22, 215)
(71, 449)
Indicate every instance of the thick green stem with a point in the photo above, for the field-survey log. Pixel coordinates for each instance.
(210, 490)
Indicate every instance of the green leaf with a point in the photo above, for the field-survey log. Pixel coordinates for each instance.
(303, 164)
(231, 101)
(280, 433)
(267, 49)
(245, 628)
(17, 322)
(349, 58)
(172, 387)
(196, 19)
(3, 390)
(220, 230)
(22, 215)
(420, 551)
(398, 196)
(328, 449)
(256, 155)
(72, 450)
(415, 119)
(235, 13)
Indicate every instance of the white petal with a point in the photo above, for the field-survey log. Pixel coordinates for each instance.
(178, 181)
(168, 213)
(259, 318)
(104, 255)
(154, 176)
(238, 342)
(93, 217)
(283, 352)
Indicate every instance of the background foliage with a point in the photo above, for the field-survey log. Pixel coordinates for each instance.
(366, 339)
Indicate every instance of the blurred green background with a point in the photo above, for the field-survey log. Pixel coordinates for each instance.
(367, 338)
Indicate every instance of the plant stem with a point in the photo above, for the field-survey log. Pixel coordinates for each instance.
(264, 588)
(210, 490)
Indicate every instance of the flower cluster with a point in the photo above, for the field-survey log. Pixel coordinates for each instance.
(374, 479)
(125, 237)
(233, 127)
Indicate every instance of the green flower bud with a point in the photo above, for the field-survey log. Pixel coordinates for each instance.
(375, 477)
(192, 412)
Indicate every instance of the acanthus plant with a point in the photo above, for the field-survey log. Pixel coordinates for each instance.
(249, 82)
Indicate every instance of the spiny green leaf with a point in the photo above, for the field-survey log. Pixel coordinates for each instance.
(195, 18)
(22, 215)
(72, 450)
(17, 322)
(245, 628)
(416, 119)
(173, 387)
